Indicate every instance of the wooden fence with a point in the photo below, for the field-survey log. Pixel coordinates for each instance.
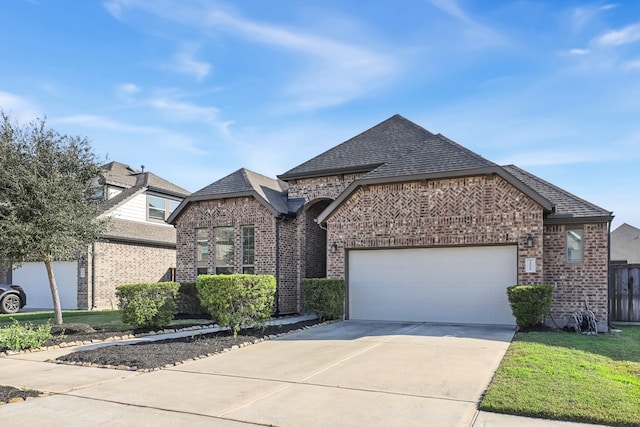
(624, 283)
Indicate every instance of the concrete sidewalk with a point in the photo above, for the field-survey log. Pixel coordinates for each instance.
(341, 374)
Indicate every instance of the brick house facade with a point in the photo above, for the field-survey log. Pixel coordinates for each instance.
(398, 186)
(138, 246)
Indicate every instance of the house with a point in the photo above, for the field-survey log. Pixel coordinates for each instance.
(139, 246)
(421, 229)
(624, 274)
(625, 244)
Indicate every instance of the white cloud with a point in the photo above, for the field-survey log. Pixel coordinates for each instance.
(585, 15)
(339, 71)
(127, 90)
(185, 63)
(333, 71)
(628, 34)
(185, 111)
(18, 107)
(559, 156)
(477, 33)
(155, 135)
(632, 65)
(105, 123)
(579, 52)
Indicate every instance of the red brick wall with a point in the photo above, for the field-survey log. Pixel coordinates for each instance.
(577, 283)
(477, 210)
(234, 212)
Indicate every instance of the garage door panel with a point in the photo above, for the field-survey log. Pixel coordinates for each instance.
(459, 285)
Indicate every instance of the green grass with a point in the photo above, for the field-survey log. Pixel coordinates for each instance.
(565, 376)
(104, 320)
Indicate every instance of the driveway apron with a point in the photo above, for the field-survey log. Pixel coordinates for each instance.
(351, 373)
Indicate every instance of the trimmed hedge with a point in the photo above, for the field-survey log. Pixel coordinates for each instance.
(238, 300)
(529, 303)
(188, 300)
(148, 305)
(324, 297)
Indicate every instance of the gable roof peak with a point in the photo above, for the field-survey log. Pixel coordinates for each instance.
(382, 143)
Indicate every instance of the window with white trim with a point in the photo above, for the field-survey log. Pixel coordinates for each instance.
(574, 245)
(224, 250)
(159, 208)
(248, 249)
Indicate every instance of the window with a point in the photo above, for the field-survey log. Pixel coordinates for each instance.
(248, 249)
(202, 251)
(224, 250)
(160, 208)
(574, 245)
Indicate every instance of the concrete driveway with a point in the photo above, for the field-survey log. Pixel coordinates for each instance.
(348, 373)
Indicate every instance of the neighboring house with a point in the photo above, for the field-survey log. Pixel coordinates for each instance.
(625, 244)
(624, 274)
(421, 228)
(139, 246)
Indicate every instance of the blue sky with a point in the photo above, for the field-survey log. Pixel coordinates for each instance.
(195, 90)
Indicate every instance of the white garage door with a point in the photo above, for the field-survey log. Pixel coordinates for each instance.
(32, 276)
(450, 285)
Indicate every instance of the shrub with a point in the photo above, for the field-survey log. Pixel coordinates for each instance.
(148, 305)
(237, 300)
(188, 300)
(18, 336)
(529, 303)
(324, 297)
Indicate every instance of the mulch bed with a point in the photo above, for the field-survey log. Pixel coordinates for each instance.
(159, 354)
(152, 355)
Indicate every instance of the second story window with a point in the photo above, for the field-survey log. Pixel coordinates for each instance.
(159, 208)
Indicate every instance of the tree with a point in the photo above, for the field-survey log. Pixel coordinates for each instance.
(48, 203)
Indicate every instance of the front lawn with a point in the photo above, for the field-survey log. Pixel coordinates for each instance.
(102, 320)
(567, 376)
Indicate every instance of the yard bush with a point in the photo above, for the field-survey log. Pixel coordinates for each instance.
(188, 300)
(148, 305)
(238, 300)
(324, 297)
(19, 336)
(529, 303)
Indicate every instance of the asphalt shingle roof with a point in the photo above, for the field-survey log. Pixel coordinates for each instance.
(565, 202)
(140, 232)
(243, 181)
(121, 175)
(393, 150)
(133, 182)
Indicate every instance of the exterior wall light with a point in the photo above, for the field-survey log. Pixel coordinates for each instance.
(334, 248)
(529, 240)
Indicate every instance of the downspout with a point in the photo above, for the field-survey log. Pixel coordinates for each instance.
(93, 275)
(278, 221)
(609, 281)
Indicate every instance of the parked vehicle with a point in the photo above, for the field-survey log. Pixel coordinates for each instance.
(12, 298)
